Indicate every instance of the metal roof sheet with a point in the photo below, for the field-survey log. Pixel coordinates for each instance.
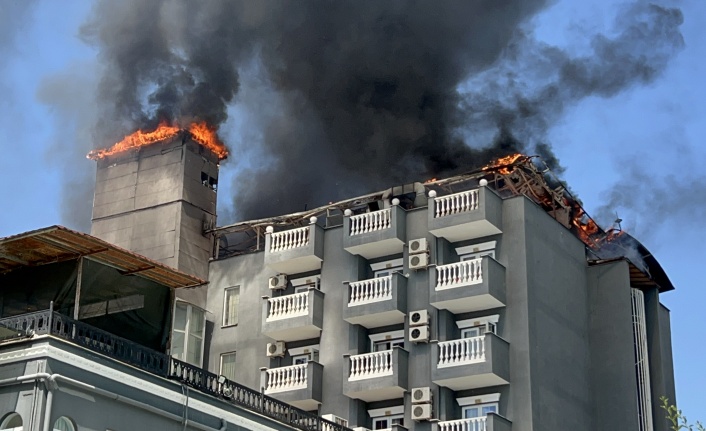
(57, 244)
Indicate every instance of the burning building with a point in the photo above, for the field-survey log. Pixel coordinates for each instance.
(485, 301)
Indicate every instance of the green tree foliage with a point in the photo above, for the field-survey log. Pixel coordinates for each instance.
(677, 419)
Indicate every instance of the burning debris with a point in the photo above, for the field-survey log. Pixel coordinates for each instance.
(199, 132)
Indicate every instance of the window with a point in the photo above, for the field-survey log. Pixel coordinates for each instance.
(228, 365)
(302, 355)
(301, 289)
(64, 424)
(477, 331)
(12, 421)
(479, 410)
(385, 418)
(230, 306)
(387, 422)
(478, 406)
(386, 341)
(187, 335)
(301, 359)
(477, 251)
(478, 326)
(383, 269)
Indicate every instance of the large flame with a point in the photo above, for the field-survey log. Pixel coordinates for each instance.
(505, 165)
(200, 132)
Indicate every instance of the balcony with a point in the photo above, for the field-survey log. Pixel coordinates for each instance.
(298, 385)
(27, 327)
(470, 285)
(376, 376)
(470, 363)
(466, 215)
(376, 302)
(491, 422)
(375, 234)
(296, 250)
(293, 317)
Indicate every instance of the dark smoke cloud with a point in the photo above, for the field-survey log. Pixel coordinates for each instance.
(356, 96)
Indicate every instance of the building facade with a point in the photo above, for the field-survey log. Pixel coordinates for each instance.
(462, 311)
(481, 302)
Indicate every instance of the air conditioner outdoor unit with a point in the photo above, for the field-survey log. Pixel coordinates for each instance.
(419, 334)
(421, 412)
(417, 246)
(278, 281)
(275, 349)
(421, 395)
(418, 261)
(336, 419)
(418, 318)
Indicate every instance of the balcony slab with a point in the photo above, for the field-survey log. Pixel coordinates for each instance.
(379, 313)
(494, 370)
(298, 327)
(489, 293)
(485, 220)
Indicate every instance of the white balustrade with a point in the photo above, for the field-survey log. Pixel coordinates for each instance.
(459, 274)
(289, 239)
(471, 424)
(284, 307)
(371, 222)
(372, 290)
(286, 378)
(456, 203)
(460, 352)
(371, 365)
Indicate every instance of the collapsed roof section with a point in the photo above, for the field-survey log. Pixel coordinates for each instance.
(509, 176)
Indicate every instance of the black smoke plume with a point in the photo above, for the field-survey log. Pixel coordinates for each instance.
(353, 96)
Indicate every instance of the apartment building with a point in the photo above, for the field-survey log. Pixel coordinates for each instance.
(456, 305)
(487, 301)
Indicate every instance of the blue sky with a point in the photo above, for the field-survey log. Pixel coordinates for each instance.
(644, 144)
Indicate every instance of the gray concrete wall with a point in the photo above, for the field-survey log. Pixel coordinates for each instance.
(153, 202)
(558, 324)
(614, 384)
(554, 323)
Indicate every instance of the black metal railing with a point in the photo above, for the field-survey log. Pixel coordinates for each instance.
(123, 350)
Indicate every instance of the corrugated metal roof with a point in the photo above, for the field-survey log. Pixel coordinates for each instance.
(57, 243)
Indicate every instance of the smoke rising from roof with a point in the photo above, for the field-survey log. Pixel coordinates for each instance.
(356, 96)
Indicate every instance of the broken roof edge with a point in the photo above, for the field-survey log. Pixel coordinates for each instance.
(67, 244)
(638, 277)
(303, 216)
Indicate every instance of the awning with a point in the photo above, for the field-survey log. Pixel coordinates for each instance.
(58, 244)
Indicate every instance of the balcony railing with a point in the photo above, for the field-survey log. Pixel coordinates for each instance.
(372, 290)
(456, 203)
(286, 378)
(460, 352)
(471, 424)
(289, 239)
(459, 274)
(162, 365)
(371, 365)
(370, 222)
(287, 306)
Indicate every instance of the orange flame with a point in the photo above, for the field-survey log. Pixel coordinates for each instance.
(504, 163)
(206, 136)
(200, 132)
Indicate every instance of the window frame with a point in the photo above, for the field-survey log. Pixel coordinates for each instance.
(225, 324)
(187, 332)
(392, 415)
(220, 367)
(479, 406)
(393, 338)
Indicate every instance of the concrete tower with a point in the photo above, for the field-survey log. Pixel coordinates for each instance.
(157, 201)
